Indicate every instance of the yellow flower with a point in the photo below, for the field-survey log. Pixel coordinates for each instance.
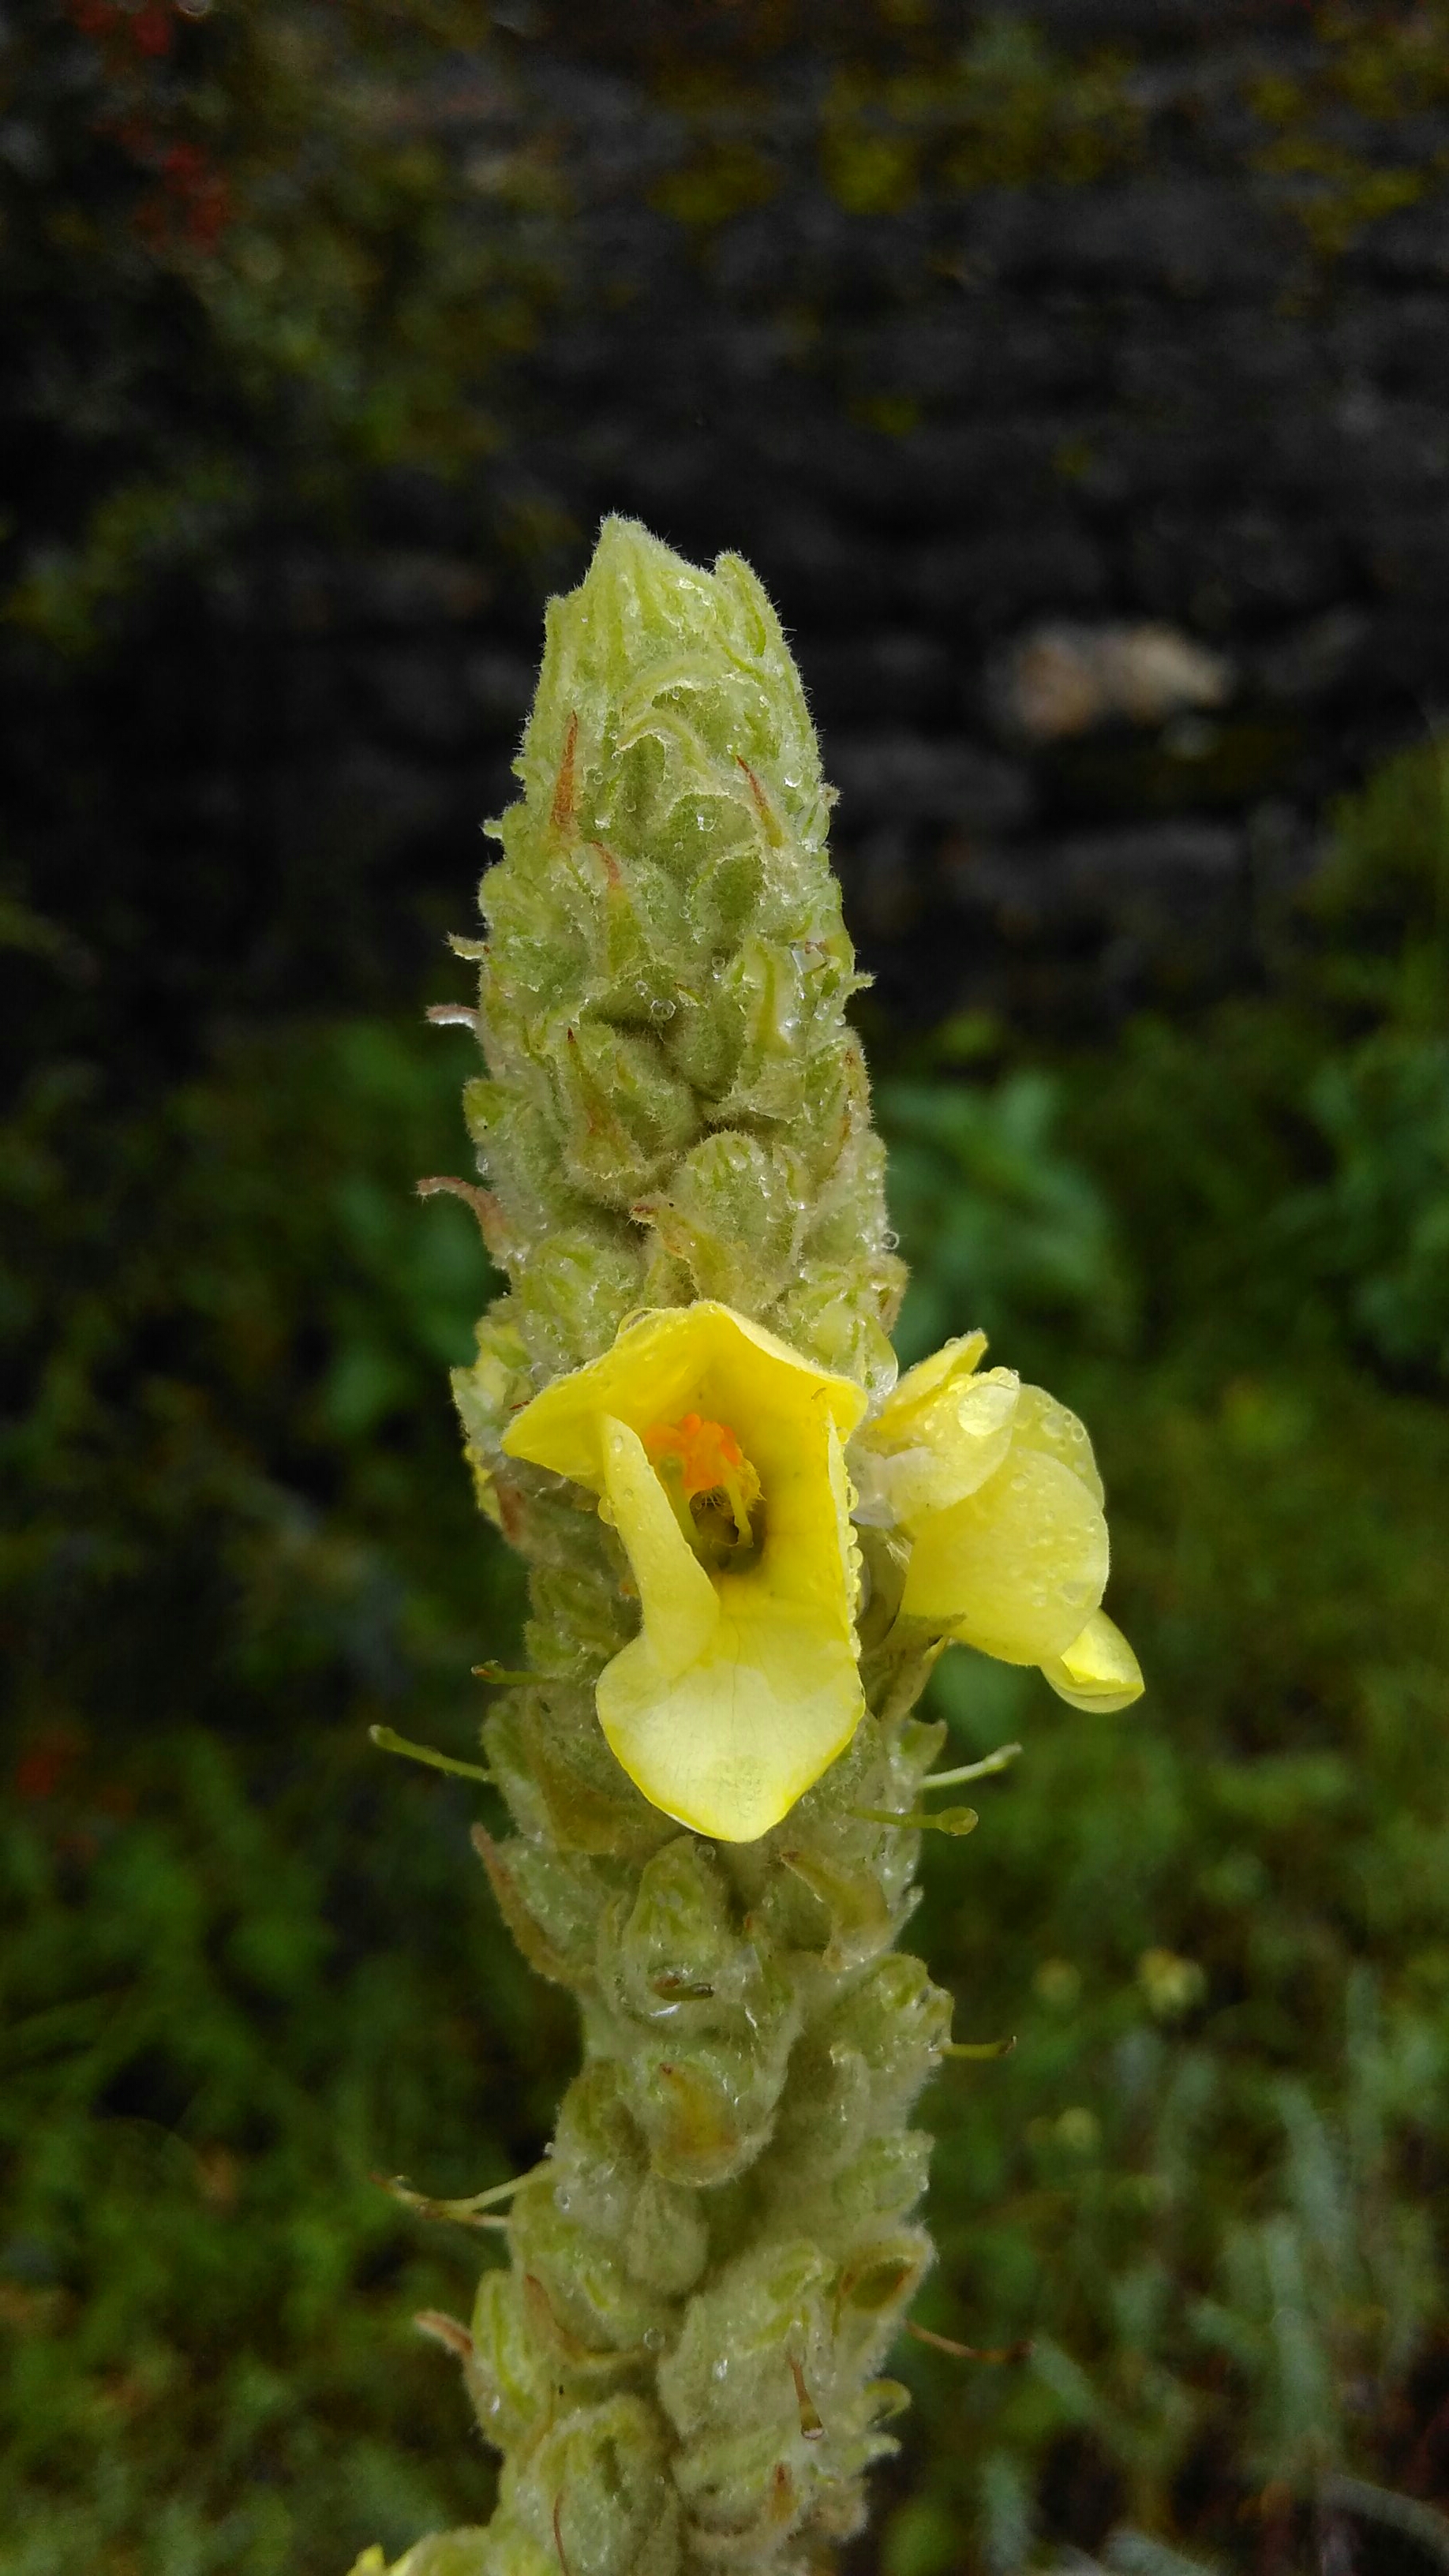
(716, 1452)
(996, 1486)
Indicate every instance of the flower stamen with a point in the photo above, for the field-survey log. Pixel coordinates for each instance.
(711, 1484)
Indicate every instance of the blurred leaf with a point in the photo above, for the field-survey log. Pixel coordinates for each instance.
(1012, 1227)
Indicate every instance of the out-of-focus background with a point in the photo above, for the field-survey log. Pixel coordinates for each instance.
(1076, 379)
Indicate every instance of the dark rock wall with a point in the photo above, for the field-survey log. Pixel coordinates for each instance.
(939, 430)
(975, 440)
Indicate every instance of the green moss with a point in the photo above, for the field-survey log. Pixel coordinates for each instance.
(720, 180)
(1387, 72)
(1008, 111)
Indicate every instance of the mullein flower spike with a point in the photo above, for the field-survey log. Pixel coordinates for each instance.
(747, 1546)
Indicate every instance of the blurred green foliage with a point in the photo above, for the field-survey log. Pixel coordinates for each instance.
(250, 254)
(247, 1961)
(1206, 2180)
(244, 1964)
(1016, 1225)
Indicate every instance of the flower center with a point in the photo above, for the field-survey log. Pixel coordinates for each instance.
(711, 1484)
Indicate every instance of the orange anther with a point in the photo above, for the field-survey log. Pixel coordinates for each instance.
(704, 1450)
(697, 1456)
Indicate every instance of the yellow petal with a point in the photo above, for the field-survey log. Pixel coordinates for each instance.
(728, 1746)
(1098, 1670)
(1045, 1425)
(1018, 1567)
(810, 1552)
(960, 1437)
(742, 1685)
(679, 1602)
(704, 1358)
(896, 1426)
